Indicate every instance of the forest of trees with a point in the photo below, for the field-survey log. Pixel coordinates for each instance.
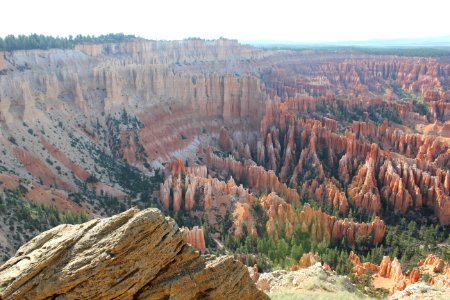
(39, 41)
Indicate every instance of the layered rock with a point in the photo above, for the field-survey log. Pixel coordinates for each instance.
(392, 270)
(389, 274)
(165, 52)
(358, 75)
(41, 194)
(242, 215)
(77, 170)
(136, 254)
(40, 170)
(383, 181)
(433, 263)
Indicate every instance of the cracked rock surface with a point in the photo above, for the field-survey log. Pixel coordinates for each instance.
(133, 255)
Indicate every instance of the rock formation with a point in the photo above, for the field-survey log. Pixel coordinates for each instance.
(438, 270)
(213, 196)
(385, 180)
(307, 260)
(363, 189)
(242, 215)
(225, 141)
(433, 263)
(136, 254)
(320, 225)
(389, 273)
(36, 167)
(195, 237)
(257, 178)
(361, 268)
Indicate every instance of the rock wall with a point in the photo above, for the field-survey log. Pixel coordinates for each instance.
(167, 52)
(212, 192)
(135, 74)
(256, 177)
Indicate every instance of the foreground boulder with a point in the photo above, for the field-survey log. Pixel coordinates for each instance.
(133, 255)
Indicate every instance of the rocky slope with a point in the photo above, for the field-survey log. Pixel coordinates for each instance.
(313, 282)
(319, 282)
(133, 255)
(421, 290)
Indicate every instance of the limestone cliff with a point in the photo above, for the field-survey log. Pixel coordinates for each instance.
(133, 255)
(166, 52)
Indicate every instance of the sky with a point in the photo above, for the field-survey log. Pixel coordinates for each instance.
(267, 20)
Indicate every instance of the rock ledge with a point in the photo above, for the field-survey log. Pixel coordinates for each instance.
(133, 255)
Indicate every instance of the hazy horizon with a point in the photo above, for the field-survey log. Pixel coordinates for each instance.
(323, 21)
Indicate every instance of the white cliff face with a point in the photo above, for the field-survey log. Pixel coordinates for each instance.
(168, 52)
(94, 78)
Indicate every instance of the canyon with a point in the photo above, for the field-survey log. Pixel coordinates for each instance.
(230, 140)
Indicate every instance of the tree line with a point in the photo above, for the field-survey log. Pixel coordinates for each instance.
(39, 41)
